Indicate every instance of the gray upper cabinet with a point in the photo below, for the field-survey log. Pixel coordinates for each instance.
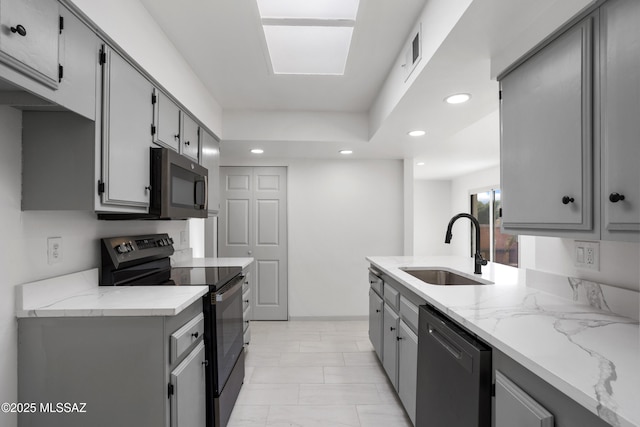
(620, 99)
(547, 143)
(189, 142)
(127, 116)
(166, 121)
(78, 66)
(210, 159)
(29, 31)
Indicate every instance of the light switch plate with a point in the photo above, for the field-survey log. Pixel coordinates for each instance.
(587, 255)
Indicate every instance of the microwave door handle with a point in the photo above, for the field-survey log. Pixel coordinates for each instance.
(206, 192)
(195, 193)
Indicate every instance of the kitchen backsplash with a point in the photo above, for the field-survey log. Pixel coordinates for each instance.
(606, 297)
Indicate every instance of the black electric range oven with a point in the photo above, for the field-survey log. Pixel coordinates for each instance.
(144, 260)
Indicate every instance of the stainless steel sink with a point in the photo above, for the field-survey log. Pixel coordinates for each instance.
(436, 276)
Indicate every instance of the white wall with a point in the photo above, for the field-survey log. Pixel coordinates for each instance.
(339, 212)
(432, 212)
(23, 253)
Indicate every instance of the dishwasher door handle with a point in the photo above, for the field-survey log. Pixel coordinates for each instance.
(461, 356)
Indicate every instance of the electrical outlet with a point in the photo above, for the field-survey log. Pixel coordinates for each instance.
(587, 255)
(54, 250)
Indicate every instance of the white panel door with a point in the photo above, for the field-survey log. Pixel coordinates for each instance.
(253, 223)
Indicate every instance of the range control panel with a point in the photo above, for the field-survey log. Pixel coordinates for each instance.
(121, 251)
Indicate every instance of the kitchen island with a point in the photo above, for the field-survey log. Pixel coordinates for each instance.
(589, 352)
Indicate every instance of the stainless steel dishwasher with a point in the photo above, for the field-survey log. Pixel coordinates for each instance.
(454, 374)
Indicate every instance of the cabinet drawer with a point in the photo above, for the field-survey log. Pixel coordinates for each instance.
(246, 300)
(376, 283)
(182, 339)
(245, 284)
(391, 296)
(409, 313)
(515, 407)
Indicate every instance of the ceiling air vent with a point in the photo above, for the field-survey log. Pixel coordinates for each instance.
(413, 52)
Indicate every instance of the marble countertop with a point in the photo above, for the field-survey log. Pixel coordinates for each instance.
(214, 262)
(78, 295)
(587, 351)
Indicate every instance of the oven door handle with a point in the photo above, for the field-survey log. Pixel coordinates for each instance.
(220, 297)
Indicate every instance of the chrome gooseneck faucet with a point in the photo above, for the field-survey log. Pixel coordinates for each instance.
(479, 261)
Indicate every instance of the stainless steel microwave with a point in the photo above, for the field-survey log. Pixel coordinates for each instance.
(179, 186)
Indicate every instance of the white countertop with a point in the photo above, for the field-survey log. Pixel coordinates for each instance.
(214, 262)
(591, 355)
(78, 295)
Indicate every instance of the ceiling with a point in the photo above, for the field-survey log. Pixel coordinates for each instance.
(224, 43)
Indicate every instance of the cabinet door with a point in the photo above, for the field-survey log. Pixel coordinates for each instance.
(166, 121)
(78, 47)
(546, 141)
(620, 113)
(29, 32)
(407, 369)
(188, 401)
(375, 322)
(210, 159)
(189, 143)
(390, 344)
(126, 137)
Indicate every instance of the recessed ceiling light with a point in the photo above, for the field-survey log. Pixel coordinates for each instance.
(346, 151)
(458, 98)
(257, 151)
(420, 163)
(416, 133)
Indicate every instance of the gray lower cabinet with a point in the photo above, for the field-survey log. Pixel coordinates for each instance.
(29, 38)
(376, 322)
(620, 100)
(390, 344)
(247, 313)
(393, 325)
(124, 371)
(524, 399)
(188, 401)
(546, 142)
(407, 368)
(126, 133)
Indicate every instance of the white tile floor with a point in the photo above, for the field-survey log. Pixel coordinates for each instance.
(315, 374)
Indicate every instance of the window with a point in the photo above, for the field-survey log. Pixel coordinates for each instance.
(495, 245)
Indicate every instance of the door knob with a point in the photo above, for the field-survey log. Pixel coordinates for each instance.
(615, 197)
(566, 200)
(249, 252)
(20, 30)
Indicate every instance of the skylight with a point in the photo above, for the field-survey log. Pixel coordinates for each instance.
(310, 36)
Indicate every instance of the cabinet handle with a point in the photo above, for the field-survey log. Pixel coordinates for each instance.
(615, 197)
(148, 188)
(247, 301)
(398, 338)
(378, 311)
(20, 30)
(186, 143)
(205, 363)
(195, 334)
(176, 136)
(391, 328)
(566, 200)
